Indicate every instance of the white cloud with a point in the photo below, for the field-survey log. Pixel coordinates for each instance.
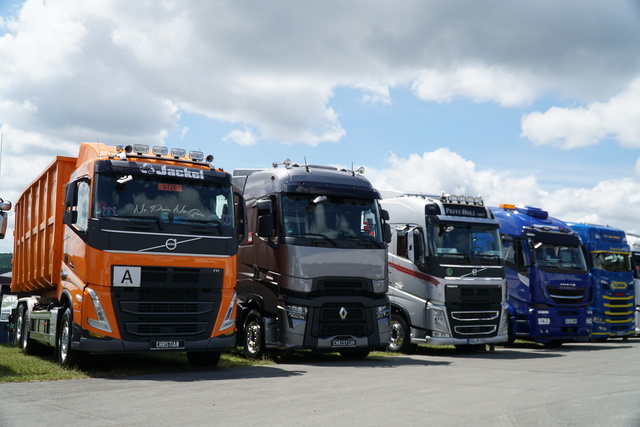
(123, 72)
(242, 137)
(618, 118)
(443, 170)
(481, 84)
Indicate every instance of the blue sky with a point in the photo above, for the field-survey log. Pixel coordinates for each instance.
(536, 103)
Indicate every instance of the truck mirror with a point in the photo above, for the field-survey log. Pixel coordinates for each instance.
(71, 196)
(386, 232)
(70, 217)
(241, 216)
(3, 224)
(265, 225)
(385, 214)
(264, 206)
(5, 206)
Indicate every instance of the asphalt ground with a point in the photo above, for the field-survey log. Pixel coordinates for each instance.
(582, 384)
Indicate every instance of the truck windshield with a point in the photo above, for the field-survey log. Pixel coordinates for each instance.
(331, 217)
(560, 257)
(611, 261)
(162, 200)
(465, 242)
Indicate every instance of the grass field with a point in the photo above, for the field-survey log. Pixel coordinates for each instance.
(16, 367)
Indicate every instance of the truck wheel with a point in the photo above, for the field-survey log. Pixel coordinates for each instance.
(203, 358)
(511, 336)
(17, 338)
(26, 344)
(66, 356)
(400, 335)
(253, 335)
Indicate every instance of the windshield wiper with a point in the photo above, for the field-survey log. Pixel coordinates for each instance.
(327, 238)
(362, 238)
(212, 221)
(144, 217)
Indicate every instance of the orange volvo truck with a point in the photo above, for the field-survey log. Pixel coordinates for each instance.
(124, 249)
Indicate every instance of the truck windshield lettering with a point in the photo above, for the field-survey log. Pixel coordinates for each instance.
(154, 197)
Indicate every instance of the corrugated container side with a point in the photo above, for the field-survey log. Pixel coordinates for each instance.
(39, 229)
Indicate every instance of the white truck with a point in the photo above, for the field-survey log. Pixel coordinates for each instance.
(446, 273)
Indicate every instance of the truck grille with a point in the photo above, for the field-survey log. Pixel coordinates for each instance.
(171, 303)
(475, 330)
(473, 310)
(327, 322)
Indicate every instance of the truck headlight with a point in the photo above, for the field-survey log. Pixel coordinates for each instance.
(296, 311)
(382, 311)
(102, 322)
(439, 319)
(229, 318)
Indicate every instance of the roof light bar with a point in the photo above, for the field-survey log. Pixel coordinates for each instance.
(469, 200)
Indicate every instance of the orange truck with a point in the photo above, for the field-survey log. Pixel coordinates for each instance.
(126, 249)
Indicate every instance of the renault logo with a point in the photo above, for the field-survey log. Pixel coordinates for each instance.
(343, 313)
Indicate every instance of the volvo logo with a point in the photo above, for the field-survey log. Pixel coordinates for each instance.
(343, 313)
(171, 244)
(474, 271)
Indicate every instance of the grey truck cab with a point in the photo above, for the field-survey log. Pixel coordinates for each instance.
(312, 270)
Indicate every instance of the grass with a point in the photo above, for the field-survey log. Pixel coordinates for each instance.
(16, 367)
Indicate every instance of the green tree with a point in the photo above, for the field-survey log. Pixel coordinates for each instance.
(5, 263)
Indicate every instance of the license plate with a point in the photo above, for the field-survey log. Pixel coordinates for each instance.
(571, 321)
(476, 341)
(343, 343)
(167, 345)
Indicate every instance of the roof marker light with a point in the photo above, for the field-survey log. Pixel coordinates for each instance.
(178, 152)
(140, 149)
(160, 150)
(196, 155)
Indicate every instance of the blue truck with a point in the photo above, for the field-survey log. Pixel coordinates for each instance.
(609, 262)
(547, 277)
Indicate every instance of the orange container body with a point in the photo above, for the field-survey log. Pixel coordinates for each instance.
(39, 230)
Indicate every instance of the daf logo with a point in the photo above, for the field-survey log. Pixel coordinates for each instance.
(343, 313)
(171, 244)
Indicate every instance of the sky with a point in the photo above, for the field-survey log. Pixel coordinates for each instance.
(530, 102)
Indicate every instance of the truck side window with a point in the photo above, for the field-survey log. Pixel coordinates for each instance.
(402, 244)
(419, 253)
(84, 203)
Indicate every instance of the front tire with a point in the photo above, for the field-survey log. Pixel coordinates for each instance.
(253, 335)
(65, 355)
(400, 335)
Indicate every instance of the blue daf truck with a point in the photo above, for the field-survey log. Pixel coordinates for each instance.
(609, 261)
(547, 276)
